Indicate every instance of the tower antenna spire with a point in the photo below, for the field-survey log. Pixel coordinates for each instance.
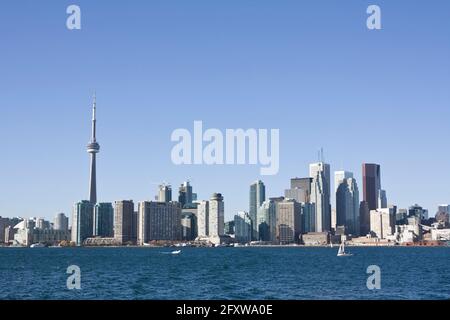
(94, 118)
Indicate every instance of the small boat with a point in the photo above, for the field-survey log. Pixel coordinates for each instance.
(37, 245)
(176, 252)
(341, 252)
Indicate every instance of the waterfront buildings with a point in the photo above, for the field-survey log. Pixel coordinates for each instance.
(216, 216)
(288, 225)
(347, 202)
(104, 220)
(211, 219)
(82, 221)
(203, 219)
(257, 197)
(229, 227)
(159, 221)
(382, 222)
(267, 221)
(124, 214)
(308, 214)
(188, 226)
(315, 238)
(61, 222)
(320, 195)
(242, 227)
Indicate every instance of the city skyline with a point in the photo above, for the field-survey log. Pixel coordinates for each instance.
(226, 65)
(319, 178)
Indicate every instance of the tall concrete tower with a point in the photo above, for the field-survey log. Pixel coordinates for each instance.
(93, 148)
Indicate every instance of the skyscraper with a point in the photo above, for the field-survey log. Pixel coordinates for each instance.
(340, 176)
(320, 195)
(93, 148)
(364, 218)
(216, 216)
(242, 227)
(288, 221)
(61, 222)
(300, 190)
(308, 214)
(165, 193)
(257, 197)
(185, 194)
(347, 203)
(203, 219)
(382, 199)
(188, 226)
(382, 222)
(82, 221)
(123, 222)
(371, 174)
(104, 220)
(159, 221)
(267, 221)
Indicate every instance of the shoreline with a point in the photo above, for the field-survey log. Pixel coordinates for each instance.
(335, 246)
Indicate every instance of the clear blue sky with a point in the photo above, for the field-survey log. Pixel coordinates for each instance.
(309, 68)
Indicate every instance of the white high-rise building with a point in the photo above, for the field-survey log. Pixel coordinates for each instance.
(320, 195)
(242, 227)
(203, 219)
(216, 216)
(61, 222)
(267, 221)
(382, 222)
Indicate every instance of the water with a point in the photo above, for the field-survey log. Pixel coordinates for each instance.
(224, 273)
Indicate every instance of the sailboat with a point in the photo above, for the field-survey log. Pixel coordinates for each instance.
(341, 252)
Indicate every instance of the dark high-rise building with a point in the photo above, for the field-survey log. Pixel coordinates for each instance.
(257, 197)
(93, 148)
(123, 222)
(347, 205)
(364, 218)
(104, 220)
(371, 184)
(82, 221)
(185, 194)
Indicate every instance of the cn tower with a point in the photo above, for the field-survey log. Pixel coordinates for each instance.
(93, 148)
